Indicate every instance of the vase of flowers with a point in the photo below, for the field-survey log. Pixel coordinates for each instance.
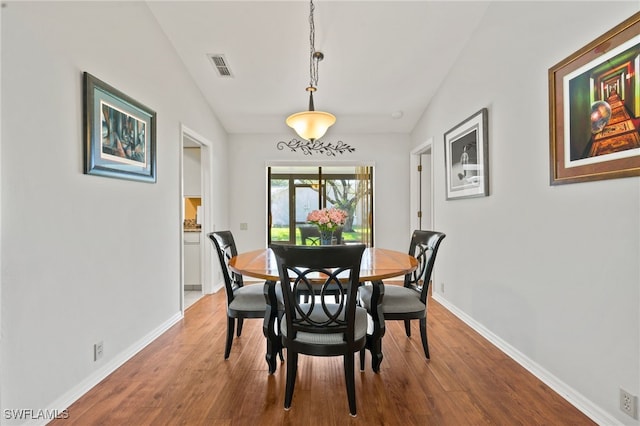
(327, 221)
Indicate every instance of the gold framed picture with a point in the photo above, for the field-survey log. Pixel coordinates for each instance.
(594, 103)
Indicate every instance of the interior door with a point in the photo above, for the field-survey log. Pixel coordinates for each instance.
(425, 192)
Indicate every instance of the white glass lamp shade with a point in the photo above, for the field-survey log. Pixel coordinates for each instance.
(311, 125)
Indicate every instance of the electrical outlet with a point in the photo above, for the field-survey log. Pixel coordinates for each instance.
(442, 288)
(244, 226)
(629, 403)
(98, 351)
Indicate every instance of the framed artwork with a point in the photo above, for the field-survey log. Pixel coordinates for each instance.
(594, 102)
(120, 134)
(466, 157)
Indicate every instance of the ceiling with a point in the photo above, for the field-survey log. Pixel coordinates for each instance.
(382, 58)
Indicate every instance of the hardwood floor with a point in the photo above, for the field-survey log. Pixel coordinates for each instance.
(182, 378)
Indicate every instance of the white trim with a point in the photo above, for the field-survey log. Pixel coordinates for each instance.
(68, 398)
(572, 396)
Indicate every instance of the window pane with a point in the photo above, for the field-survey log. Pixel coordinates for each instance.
(344, 193)
(306, 201)
(280, 210)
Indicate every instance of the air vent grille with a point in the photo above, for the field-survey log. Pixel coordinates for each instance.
(220, 64)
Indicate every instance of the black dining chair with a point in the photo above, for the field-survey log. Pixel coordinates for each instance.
(409, 301)
(323, 326)
(337, 235)
(309, 235)
(243, 301)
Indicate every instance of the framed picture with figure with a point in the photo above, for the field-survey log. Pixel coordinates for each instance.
(466, 157)
(120, 134)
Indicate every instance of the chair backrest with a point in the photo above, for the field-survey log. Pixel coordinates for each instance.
(424, 247)
(320, 269)
(311, 233)
(226, 248)
(337, 234)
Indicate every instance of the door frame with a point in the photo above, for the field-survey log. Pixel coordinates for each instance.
(415, 186)
(206, 250)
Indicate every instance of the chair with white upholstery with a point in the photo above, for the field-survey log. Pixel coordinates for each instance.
(323, 326)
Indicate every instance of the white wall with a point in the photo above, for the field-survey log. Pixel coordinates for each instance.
(389, 154)
(550, 272)
(87, 258)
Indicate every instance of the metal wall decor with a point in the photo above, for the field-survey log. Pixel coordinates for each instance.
(311, 147)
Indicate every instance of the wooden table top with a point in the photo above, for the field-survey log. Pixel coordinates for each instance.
(377, 264)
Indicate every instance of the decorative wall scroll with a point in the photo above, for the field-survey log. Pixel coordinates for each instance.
(594, 102)
(318, 147)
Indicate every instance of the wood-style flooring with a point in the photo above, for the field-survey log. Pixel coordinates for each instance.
(183, 379)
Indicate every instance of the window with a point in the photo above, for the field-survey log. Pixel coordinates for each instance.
(296, 191)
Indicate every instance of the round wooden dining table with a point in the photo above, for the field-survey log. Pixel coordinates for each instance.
(377, 264)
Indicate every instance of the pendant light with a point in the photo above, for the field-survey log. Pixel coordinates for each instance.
(311, 125)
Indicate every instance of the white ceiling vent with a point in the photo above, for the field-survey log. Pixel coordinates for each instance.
(220, 64)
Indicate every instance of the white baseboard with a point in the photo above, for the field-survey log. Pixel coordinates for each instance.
(575, 398)
(65, 401)
(217, 287)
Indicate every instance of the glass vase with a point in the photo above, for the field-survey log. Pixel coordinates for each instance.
(326, 237)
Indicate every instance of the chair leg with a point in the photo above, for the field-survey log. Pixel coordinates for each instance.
(362, 358)
(407, 327)
(279, 330)
(230, 327)
(376, 354)
(292, 368)
(351, 382)
(240, 322)
(423, 335)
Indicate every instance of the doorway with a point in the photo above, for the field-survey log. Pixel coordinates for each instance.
(421, 187)
(195, 217)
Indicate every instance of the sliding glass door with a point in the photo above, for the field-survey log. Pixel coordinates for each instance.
(296, 191)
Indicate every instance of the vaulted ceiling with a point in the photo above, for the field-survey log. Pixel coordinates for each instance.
(382, 58)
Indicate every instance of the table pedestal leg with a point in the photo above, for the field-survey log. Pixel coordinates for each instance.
(273, 338)
(374, 341)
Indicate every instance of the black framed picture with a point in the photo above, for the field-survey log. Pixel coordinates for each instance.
(120, 134)
(467, 157)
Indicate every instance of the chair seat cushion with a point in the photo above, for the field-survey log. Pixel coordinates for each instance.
(397, 299)
(251, 298)
(360, 328)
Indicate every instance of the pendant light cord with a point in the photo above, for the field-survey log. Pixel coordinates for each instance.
(313, 58)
